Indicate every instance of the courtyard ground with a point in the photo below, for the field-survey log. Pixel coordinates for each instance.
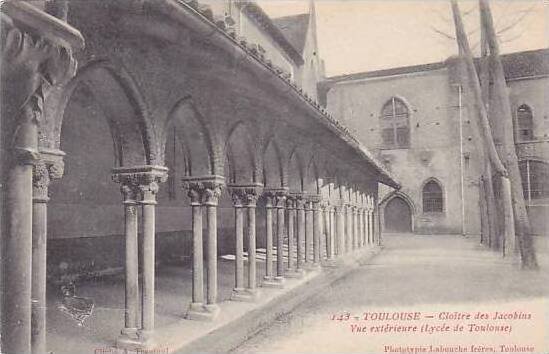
(427, 274)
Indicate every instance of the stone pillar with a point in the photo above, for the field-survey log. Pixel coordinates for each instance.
(269, 278)
(276, 199)
(239, 245)
(340, 226)
(327, 230)
(308, 234)
(204, 192)
(44, 171)
(291, 208)
(316, 230)
(139, 186)
(300, 207)
(349, 233)
(280, 209)
(333, 238)
(36, 54)
(355, 227)
(250, 202)
(245, 198)
(371, 225)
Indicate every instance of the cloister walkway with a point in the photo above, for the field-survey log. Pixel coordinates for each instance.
(414, 273)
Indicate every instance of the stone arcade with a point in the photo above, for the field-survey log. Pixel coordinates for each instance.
(206, 118)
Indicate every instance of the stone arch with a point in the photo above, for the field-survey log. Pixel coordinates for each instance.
(310, 181)
(122, 103)
(387, 216)
(241, 156)
(195, 139)
(295, 171)
(273, 168)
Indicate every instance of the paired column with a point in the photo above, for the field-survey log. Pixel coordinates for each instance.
(275, 200)
(204, 193)
(326, 217)
(47, 61)
(354, 209)
(308, 234)
(317, 229)
(301, 228)
(340, 226)
(333, 233)
(244, 200)
(291, 207)
(139, 186)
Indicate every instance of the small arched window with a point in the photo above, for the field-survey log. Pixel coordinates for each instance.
(535, 179)
(432, 198)
(525, 123)
(395, 129)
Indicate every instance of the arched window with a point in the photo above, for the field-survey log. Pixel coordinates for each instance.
(535, 179)
(432, 198)
(395, 129)
(525, 123)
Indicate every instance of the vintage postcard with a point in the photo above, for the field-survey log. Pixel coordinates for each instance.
(289, 176)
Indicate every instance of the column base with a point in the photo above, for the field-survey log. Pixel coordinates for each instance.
(200, 312)
(273, 282)
(245, 295)
(294, 273)
(133, 339)
(330, 263)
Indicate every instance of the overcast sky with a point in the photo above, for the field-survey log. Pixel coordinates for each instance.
(363, 35)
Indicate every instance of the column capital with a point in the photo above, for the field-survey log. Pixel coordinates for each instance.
(245, 195)
(204, 190)
(299, 199)
(47, 168)
(140, 182)
(277, 196)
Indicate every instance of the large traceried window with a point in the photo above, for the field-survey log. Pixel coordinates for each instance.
(524, 124)
(535, 179)
(395, 128)
(433, 201)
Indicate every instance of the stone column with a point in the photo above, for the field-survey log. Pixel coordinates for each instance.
(250, 202)
(276, 199)
(327, 230)
(44, 171)
(245, 198)
(333, 238)
(300, 207)
(36, 54)
(340, 226)
(316, 230)
(139, 186)
(349, 220)
(280, 201)
(308, 234)
(371, 225)
(291, 207)
(149, 189)
(210, 199)
(239, 245)
(204, 192)
(268, 278)
(130, 194)
(355, 226)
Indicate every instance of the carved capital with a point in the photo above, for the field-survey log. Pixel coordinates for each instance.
(204, 190)
(40, 182)
(245, 194)
(140, 183)
(276, 196)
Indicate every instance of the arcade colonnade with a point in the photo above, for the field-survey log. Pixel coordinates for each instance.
(305, 228)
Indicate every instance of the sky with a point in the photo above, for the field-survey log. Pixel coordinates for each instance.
(363, 35)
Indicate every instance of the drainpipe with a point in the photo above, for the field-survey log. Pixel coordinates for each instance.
(460, 106)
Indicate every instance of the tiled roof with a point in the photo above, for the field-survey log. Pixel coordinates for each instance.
(516, 65)
(294, 28)
(265, 22)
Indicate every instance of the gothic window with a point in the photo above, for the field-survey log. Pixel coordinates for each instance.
(524, 124)
(535, 179)
(395, 129)
(432, 198)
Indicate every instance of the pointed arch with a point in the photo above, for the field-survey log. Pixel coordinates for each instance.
(524, 123)
(240, 153)
(273, 168)
(398, 212)
(122, 103)
(395, 123)
(195, 141)
(296, 171)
